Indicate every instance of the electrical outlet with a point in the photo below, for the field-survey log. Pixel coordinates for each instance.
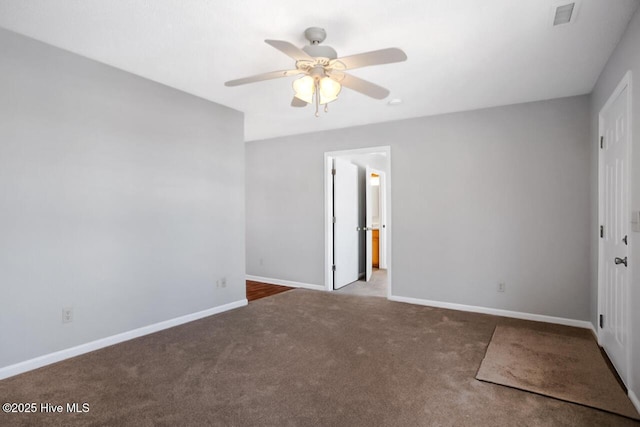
(67, 315)
(223, 282)
(502, 287)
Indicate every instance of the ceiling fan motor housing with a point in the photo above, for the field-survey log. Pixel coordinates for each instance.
(318, 51)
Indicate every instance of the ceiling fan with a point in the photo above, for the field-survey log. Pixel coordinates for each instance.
(324, 73)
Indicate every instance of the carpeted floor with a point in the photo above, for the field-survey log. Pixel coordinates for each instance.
(299, 358)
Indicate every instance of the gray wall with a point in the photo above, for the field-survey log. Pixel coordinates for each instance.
(626, 57)
(119, 197)
(480, 197)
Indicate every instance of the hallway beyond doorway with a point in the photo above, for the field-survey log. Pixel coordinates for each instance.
(376, 287)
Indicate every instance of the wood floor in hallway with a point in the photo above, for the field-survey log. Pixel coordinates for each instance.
(257, 290)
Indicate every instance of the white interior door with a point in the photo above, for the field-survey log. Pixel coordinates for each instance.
(345, 226)
(615, 223)
(368, 223)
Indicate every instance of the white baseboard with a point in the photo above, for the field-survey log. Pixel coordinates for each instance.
(285, 283)
(634, 400)
(496, 311)
(68, 353)
(594, 331)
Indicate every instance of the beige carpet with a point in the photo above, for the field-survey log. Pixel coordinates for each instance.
(299, 358)
(566, 367)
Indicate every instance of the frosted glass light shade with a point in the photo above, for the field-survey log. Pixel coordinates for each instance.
(329, 90)
(304, 88)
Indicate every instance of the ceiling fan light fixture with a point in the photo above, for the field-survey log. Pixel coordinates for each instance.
(329, 90)
(304, 88)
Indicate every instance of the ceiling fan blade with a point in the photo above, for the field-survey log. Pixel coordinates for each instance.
(376, 57)
(289, 49)
(264, 76)
(363, 86)
(297, 102)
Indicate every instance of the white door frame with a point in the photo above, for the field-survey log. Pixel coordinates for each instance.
(624, 83)
(328, 212)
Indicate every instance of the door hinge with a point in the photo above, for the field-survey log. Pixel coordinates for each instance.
(623, 261)
(602, 142)
(625, 240)
(334, 219)
(602, 231)
(333, 267)
(601, 321)
(333, 171)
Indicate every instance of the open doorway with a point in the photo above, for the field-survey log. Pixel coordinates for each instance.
(358, 221)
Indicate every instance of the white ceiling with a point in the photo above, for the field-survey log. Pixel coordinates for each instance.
(463, 54)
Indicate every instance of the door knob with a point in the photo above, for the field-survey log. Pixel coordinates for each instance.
(621, 261)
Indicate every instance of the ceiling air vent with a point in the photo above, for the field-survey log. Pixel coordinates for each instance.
(564, 14)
